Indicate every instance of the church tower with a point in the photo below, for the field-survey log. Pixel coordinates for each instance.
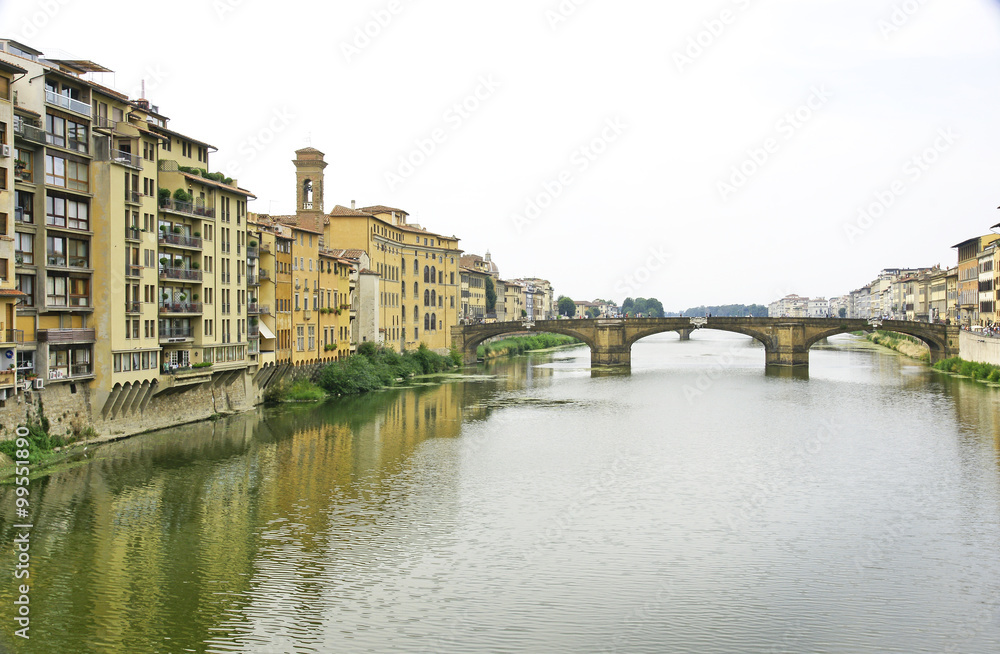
(309, 167)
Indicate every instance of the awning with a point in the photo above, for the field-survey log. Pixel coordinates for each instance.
(264, 331)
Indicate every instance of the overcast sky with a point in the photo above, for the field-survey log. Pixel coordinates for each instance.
(697, 152)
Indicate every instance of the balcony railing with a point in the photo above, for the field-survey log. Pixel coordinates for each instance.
(176, 332)
(66, 102)
(132, 270)
(253, 253)
(225, 309)
(180, 273)
(7, 378)
(133, 234)
(180, 240)
(252, 280)
(21, 216)
(125, 159)
(133, 197)
(103, 122)
(65, 335)
(189, 208)
(133, 307)
(71, 372)
(180, 307)
(24, 175)
(264, 275)
(264, 247)
(258, 309)
(29, 133)
(253, 331)
(12, 335)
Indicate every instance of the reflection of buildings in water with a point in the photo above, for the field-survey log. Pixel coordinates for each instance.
(977, 408)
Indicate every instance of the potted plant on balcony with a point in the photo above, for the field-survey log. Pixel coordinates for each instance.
(178, 262)
(165, 296)
(195, 296)
(197, 234)
(164, 261)
(182, 297)
(176, 229)
(253, 244)
(163, 228)
(195, 265)
(164, 195)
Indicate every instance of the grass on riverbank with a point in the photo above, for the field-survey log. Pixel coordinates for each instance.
(983, 371)
(522, 344)
(373, 368)
(906, 345)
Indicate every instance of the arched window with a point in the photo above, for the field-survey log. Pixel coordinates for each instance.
(402, 312)
(434, 274)
(416, 314)
(416, 266)
(427, 274)
(307, 194)
(404, 265)
(416, 290)
(452, 279)
(434, 298)
(434, 319)
(427, 321)
(440, 300)
(427, 297)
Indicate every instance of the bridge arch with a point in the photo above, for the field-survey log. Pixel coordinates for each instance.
(936, 341)
(761, 337)
(470, 337)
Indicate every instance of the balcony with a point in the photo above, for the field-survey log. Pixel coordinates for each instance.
(185, 274)
(66, 102)
(7, 378)
(258, 309)
(58, 260)
(253, 331)
(176, 334)
(22, 216)
(126, 159)
(11, 336)
(133, 234)
(22, 175)
(253, 253)
(187, 208)
(181, 307)
(264, 275)
(133, 197)
(65, 336)
(133, 270)
(252, 280)
(264, 247)
(69, 373)
(133, 306)
(179, 240)
(29, 133)
(104, 123)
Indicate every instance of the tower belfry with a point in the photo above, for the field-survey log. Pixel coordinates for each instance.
(309, 167)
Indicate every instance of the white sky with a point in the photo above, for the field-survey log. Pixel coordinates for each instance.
(238, 72)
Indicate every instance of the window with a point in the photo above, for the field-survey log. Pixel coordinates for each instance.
(25, 204)
(299, 332)
(62, 212)
(25, 248)
(55, 291)
(66, 173)
(26, 284)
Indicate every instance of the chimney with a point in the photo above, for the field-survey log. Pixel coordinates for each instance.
(352, 204)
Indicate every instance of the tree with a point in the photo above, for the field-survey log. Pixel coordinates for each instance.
(594, 312)
(628, 304)
(842, 312)
(566, 306)
(491, 295)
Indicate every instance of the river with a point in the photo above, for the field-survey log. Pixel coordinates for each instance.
(696, 504)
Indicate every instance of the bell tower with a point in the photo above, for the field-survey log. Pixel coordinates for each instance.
(309, 167)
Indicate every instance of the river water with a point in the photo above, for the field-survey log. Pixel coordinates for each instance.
(694, 505)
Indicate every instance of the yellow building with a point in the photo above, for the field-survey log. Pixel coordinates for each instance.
(11, 169)
(513, 301)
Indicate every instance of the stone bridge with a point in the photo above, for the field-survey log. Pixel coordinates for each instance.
(786, 340)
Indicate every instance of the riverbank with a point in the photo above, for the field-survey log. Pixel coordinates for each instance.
(521, 344)
(905, 345)
(982, 372)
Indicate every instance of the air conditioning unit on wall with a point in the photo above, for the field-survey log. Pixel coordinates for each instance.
(5, 150)
(39, 384)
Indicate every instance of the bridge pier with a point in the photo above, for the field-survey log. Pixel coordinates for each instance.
(685, 334)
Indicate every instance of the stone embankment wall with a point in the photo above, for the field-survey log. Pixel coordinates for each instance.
(981, 349)
(65, 404)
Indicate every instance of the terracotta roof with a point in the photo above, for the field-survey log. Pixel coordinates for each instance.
(347, 254)
(24, 110)
(11, 292)
(341, 211)
(365, 271)
(159, 128)
(12, 68)
(381, 208)
(212, 182)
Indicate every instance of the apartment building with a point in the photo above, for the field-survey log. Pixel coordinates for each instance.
(11, 169)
